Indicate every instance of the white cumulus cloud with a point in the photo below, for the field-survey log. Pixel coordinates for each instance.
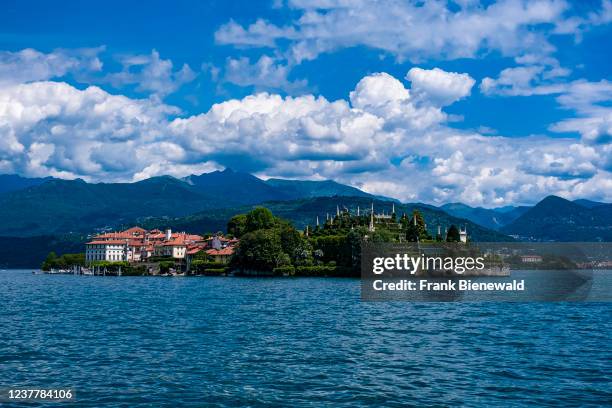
(151, 73)
(52, 128)
(438, 86)
(415, 30)
(31, 65)
(266, 73)
(387, 138)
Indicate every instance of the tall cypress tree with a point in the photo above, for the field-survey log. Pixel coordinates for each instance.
(453, 234)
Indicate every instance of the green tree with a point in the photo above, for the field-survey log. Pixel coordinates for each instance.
(259, 250)
(165, 266)
(290, 238)
(415, 228)
(337, 249)
(69, 260)
(197, 265)
(302, 254)
(201, 256)
(382, 235)
(50, 262)
(259, 218)
(237, 225)
(295, 244)
(353, 240)
(453, 234)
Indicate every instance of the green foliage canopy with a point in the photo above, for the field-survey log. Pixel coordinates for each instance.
(259, 218)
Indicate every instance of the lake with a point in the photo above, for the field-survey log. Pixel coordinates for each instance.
(292, 342)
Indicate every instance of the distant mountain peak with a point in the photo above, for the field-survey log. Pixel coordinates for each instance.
(159, 179)
(553, 198)
(557, 219)
(556, 202)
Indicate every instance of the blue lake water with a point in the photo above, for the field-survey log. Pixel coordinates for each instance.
(293, 342)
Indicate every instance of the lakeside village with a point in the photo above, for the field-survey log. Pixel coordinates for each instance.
(257, 243)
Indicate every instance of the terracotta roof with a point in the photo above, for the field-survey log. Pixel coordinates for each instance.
(175, 242)
(222, 239)
(107, 242)
(192, 237)
(224, 251)
(139, 237)
(135, 230)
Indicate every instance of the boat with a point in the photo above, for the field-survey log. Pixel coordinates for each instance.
(58, 272)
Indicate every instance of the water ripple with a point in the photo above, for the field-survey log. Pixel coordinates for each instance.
(301, 342)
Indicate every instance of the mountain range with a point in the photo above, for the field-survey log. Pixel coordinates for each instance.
(557, 219)
(199, 202)
(552, 219)
(237, 188)
(304, 212)
(491, 218)
(30, 208)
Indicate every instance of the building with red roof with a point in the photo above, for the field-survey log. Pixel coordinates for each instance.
(137, 244)
(222, 255)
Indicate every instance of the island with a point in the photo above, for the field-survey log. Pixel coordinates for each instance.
(256, 243)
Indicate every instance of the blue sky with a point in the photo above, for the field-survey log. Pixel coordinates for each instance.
(489, 103)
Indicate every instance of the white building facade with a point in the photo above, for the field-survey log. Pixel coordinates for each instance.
(111, 251)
